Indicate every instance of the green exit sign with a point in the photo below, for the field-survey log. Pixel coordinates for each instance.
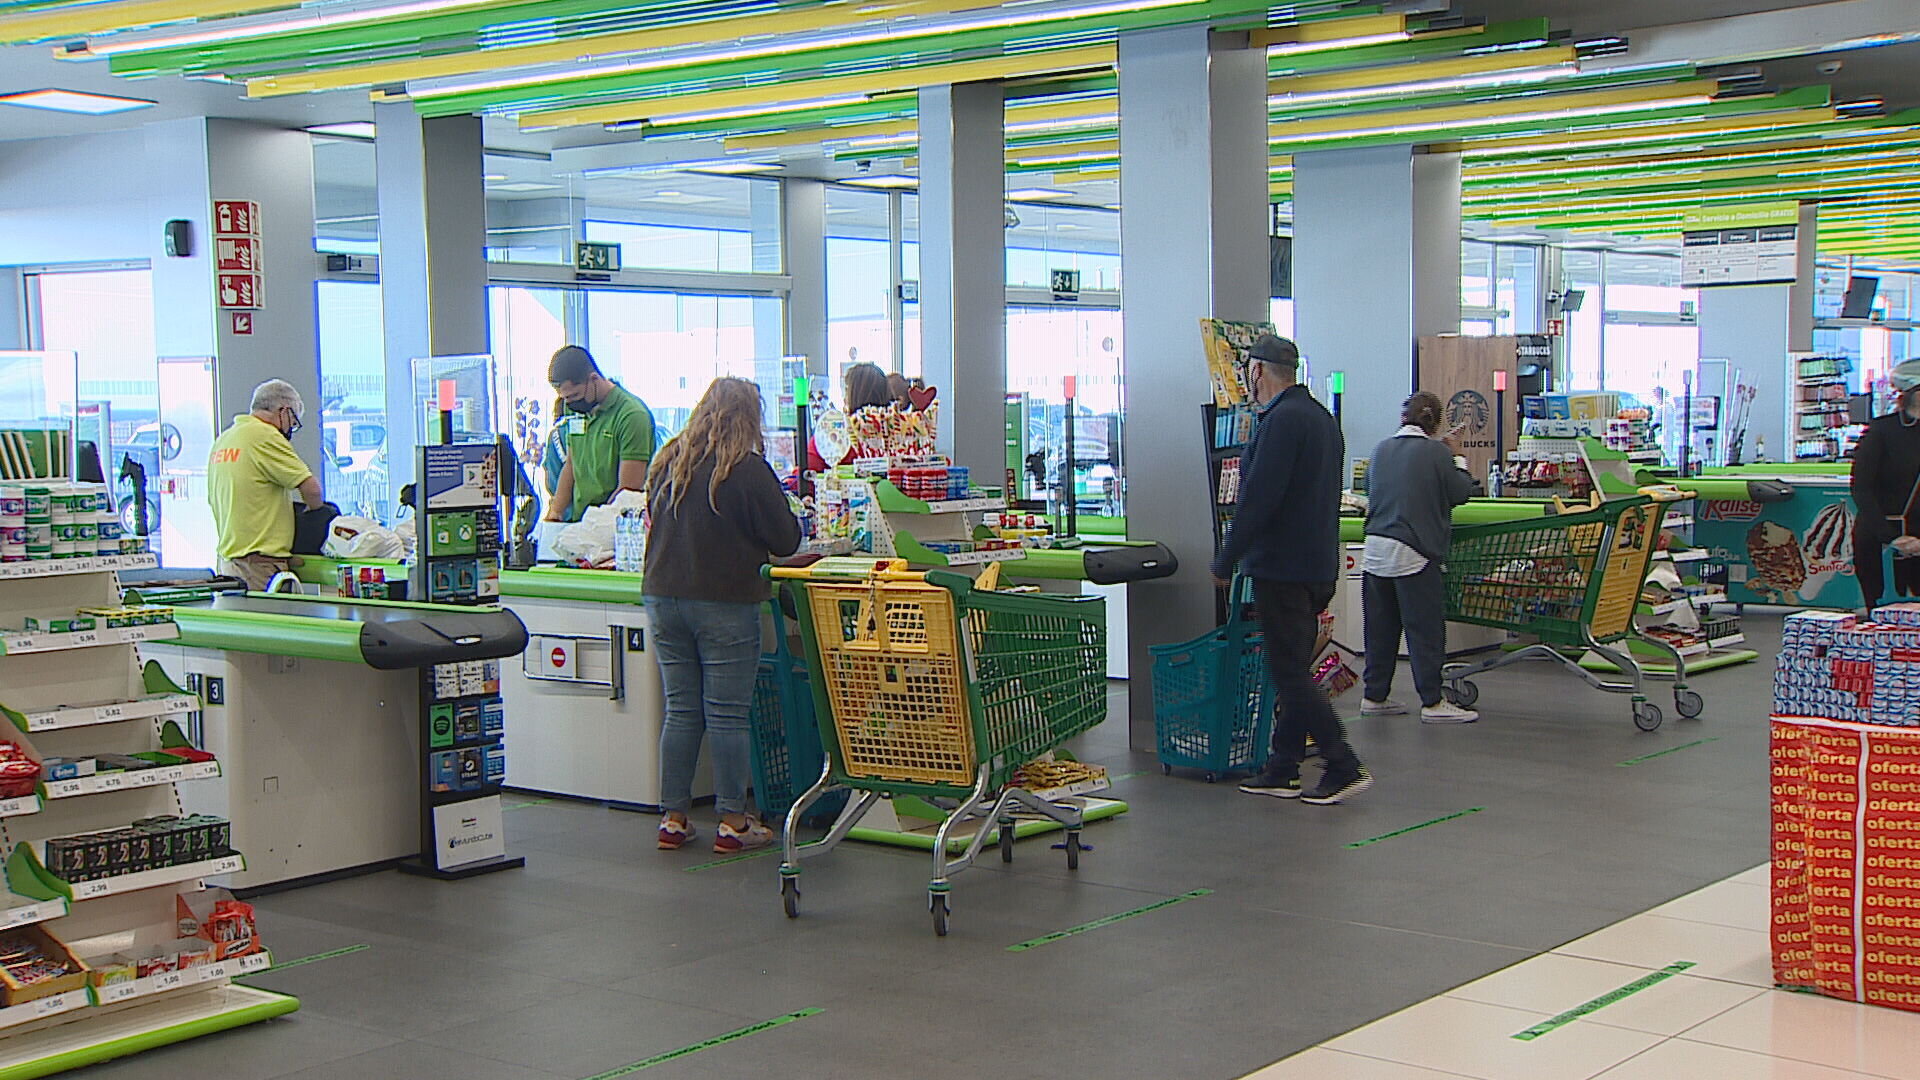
(1066, 284)
(600, 258)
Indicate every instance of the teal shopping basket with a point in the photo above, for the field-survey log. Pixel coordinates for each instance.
(1212, 700)
(787, 755)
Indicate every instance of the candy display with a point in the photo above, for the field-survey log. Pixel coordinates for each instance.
(216, 919)
(34, 964)
(891, 434)
(372, 582)
(147, 844)
(1841, 667)
(19, 772)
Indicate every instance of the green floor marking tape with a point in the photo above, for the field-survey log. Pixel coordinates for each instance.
(1107, 921)
(316, 957)
(1414, 828)
(731, 859)
(1127, 776)
(1669, 750)
(1604, 1000)
(717, 1040)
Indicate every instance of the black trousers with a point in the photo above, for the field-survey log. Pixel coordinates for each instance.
(1417, 605)
(1289, 624)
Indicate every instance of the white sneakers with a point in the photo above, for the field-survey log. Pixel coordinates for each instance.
(1446, 712)
(1381, 708)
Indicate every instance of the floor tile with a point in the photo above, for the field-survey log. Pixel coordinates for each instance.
(1680, 1058)
(1321, 1063)
(1473, 1039)
(1759, 875)
(412, 1059)
(1728, 903)
(255, 1052)
(1654, 941)
(1552, 984)
(587, 1033)
(1840, 1034)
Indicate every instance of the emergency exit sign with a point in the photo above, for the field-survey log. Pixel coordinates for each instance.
(596, 258)
(1066, 284)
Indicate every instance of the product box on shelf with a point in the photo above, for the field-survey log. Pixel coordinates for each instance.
(1841, 667)
(34, 964)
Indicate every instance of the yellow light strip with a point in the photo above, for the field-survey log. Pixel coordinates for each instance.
(1835, 191)
(1640, 133)
(816, 136)
(1578, 187)
(823, 17)
(102, 18)
(1330, 33)
(1063, 117)
(666, 110)
(1425, 71)
(1414, 121)
(1846, 148)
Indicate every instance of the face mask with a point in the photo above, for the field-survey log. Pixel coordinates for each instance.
(582, 406)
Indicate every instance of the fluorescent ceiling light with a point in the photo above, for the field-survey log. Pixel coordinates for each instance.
(1064, 225)
(524, 185)
(1521, 237)
(1298, 47)
(517, 229)
(1491, 80)
(1039, 194)
(749, 110)
(235, 29)
(357, 129)
(494, 177)
(681, 198)
(74, 101)
(891, 180)
(1497, 121)
(354, 219)
(733, 168)
(1069, 123)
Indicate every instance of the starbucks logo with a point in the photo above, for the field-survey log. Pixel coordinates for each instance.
(1468, 410)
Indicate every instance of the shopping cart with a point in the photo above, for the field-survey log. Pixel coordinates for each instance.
(926, 685)
(1212, 700)
(1572, 580)
(786, 736)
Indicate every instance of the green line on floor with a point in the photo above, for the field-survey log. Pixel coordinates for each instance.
(731, 859)
(1107, 921)
(717, 1040)
(1127, 776)
(1414, 828)
(524, 805)
(1669, 750)
(1604, 1000)
(316, 957)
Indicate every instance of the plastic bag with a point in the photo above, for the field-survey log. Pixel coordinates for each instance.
(589, 541)
(360, 538)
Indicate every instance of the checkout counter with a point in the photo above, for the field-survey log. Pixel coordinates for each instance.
(312, 706)
(1780, 534)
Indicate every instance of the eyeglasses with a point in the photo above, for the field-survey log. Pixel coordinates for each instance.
(297, 423)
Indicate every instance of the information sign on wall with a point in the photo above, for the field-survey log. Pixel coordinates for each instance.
(1747, 245)
(237, 253)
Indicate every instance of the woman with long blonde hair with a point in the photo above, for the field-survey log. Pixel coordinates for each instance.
(719, 515)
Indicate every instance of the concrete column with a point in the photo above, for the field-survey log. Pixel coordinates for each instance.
(804, 224)
(1746, 326)
(13, 335)
(433, 261)
(1376, 265)
(1193, 240)
(183, 301)
(963, 269)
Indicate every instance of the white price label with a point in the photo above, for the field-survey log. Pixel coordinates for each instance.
(47, 1006)
(256, 962)
(86, 637)
(227, 865)
(26, 916)
(167, 980)
(112, 781)
(110, 712)
(66, 789)
(119, 991)
(172, 774)
(23, 644)
(89, 890)
(215, 971)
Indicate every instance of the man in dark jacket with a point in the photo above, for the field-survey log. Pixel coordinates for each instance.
(1286, 537)
(1886, 475)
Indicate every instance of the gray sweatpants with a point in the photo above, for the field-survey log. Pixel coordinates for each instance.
(1416, 605)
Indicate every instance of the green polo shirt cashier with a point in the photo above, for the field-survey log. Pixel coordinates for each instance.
(609, 438)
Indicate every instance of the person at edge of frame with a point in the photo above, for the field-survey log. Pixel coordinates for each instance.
(1285, 536)
(1885, 485)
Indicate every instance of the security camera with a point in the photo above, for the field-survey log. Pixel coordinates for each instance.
(863, 167)
(1829, 67)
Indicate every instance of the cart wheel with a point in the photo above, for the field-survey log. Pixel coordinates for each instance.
(1688, 704)
(1166, 770)
(938, 902)
(1073, 849)
(1006, 841)
(1463, 693)
(790, 896)
(1211, 778)
(1646, 715)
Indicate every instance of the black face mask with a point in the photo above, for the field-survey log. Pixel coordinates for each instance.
(581, 406)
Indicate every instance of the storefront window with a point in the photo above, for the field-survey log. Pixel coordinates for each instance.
(353, 401)
(859, 329)
(666, 347)
(1050, 238)
(1649, 341)
(910, 271)
(1044, 345)
(346, 206)
(527, 327)
(1581, 270)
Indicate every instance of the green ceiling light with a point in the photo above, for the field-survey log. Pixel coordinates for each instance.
(1427, 45)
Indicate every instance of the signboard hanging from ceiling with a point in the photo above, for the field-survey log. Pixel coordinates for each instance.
(1756, 244)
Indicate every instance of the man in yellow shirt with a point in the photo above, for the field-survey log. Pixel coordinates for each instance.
(249, 475)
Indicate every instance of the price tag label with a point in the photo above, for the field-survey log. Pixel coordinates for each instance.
(118, 992)
(90, 890)
(173, 774)
(110, 712)
(86, 637)
(25, 916)
(47, 1006)
(23, 644)
(168, 980)
(111, 781)
(215, 971)
(66, 789)
(256, 962)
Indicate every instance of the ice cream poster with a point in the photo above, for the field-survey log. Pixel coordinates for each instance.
(1798, 553)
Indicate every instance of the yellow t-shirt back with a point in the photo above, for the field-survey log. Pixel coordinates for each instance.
(250, 474)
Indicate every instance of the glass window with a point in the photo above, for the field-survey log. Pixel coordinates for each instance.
(1045, 344)
(910, 271)
(666, 347)
(859, 329)
(527, 327)
(1517, 289)
(1581, 270)
(346, 207)
(1050, 238)
(1476, 275)
(353, 399)
(1642, 355)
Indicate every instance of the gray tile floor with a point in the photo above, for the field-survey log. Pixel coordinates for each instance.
(604, 952)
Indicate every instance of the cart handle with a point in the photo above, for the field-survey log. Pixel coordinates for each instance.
(1667, 493)
(1562, 506)
(890, 570)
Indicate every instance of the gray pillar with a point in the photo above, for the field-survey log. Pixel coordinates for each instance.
(12, 302)
(1376, 264)
(804, 221)
(963, 269)
(1193, 238)
(177, 188)
(1745, 326)
(433, 261)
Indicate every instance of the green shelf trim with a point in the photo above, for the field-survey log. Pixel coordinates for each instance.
(569, 583)
(27, 877)
(156, 680)
(1504, 33)
(282, 635)
(252, 1013)
(956, 845)
(1839, 470)
(1519, 95)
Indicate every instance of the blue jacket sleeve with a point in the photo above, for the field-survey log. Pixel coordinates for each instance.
(1263, 485)
(1455, 482)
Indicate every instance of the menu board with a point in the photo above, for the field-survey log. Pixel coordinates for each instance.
(1846, 860)
(1748, 245)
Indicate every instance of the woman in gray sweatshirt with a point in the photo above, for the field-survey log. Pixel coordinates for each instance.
(1413, 483)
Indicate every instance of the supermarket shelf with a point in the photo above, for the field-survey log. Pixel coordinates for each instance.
(17, 644)
(13, 918)
(118, 1033)
(1674, 605)
(1089, 786)
(1724, 642)
(25, 804)
(98, 564)
(893, 502)
(153, 879)
(981, 558)
(74, 716)
(1691, 555)
(51, 1005)
(133, 989)
(125, 781)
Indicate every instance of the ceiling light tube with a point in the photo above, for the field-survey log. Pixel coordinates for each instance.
(234, 30)
(1527, 77)
(1488, 115)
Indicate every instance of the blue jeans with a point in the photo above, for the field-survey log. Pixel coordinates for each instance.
(708, 652)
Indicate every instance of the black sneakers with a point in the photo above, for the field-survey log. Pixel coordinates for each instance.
(1339, 784)
(1280, 785)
